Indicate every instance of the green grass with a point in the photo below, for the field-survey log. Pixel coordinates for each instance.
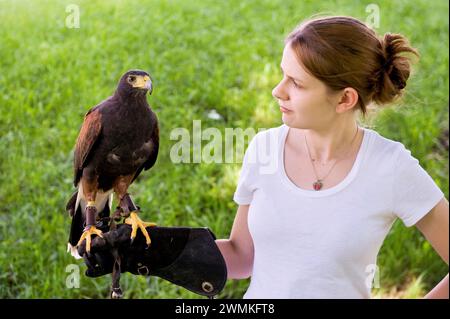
(202, 56)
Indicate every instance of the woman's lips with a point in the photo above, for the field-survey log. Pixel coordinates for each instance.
(284, 110)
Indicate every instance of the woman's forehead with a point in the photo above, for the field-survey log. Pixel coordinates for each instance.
(291, 65)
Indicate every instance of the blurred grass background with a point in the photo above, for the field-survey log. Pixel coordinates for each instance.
(203, 56)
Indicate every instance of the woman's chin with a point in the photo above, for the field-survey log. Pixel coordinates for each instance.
(287, 118)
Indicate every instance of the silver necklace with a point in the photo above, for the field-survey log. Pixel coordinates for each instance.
(318, 184)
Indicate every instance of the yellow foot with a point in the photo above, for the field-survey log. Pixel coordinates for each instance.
(92, 230)
(136, 223)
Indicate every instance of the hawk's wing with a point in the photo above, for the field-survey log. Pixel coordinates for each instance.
(153, 155)
(89, 134)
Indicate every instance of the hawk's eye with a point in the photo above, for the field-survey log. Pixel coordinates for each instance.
(132, 78)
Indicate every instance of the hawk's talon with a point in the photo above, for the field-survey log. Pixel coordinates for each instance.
(88, 232)
(136, 223)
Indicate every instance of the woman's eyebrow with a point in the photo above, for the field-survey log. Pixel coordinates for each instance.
(291, 77)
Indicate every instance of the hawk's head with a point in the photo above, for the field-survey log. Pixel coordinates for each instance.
(135, 81)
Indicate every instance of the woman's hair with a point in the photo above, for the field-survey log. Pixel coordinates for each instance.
(344, 52)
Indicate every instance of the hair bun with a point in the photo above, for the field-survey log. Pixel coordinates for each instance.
(395, 69)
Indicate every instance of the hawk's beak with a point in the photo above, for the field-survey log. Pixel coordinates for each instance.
(143, 82)
(148, 84)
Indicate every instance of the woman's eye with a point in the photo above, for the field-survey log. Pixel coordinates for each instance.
(296, 84)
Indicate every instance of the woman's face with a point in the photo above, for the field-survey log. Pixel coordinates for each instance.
(304, 100)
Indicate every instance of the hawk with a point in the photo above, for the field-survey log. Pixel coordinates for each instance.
(118, 139)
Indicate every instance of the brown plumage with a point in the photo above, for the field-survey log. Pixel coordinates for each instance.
(118, 139)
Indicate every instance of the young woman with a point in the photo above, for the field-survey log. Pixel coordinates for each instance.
(313, 214)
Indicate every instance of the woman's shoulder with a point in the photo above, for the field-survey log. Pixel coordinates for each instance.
(265, 144)
(385, 147)
(273, 133)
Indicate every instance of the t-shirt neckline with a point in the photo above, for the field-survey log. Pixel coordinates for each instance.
(311, 193)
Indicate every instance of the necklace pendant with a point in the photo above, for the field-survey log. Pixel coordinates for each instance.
(317, 185)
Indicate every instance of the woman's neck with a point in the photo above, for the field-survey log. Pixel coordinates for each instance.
(330, 143)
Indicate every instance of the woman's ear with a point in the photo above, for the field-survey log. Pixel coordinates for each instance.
(348, 100)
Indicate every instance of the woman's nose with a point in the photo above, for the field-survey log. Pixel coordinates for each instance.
(279, 93)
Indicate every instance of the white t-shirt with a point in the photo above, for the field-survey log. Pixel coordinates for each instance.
(324, 244)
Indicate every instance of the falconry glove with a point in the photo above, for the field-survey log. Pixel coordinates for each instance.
(187, 257)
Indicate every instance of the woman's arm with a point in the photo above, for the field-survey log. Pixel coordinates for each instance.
(238, 249)
(434, 226)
